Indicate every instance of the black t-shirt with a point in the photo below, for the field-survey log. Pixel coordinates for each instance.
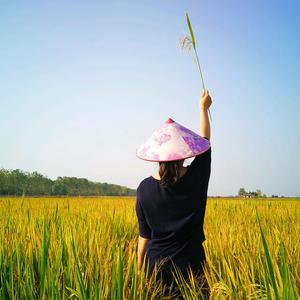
(172, 217)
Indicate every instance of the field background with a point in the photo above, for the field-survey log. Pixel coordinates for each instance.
(68, 248)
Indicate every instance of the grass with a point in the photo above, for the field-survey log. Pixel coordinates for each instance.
(85, 248)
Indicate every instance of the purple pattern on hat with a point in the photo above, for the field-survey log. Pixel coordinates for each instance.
(184, 129)
(163, 138)
(143, 151)
(174, 156)
(193, 143)
(155, 156)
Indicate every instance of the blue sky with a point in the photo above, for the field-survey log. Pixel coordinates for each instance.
(84, 83)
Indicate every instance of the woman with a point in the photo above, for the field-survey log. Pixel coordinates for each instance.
(170, 206)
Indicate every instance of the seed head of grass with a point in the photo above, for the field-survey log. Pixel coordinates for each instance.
(185, 43)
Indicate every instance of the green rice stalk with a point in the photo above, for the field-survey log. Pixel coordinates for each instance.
(288, 290)
(97, 294)
(266, 280)
(133, 291)
(44, 255)
(113, 274)
(83, 293)
(269, 262)
(120, 272)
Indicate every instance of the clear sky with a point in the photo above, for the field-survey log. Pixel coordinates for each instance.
(84, 83)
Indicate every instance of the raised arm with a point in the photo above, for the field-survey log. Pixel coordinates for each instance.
(205, 103)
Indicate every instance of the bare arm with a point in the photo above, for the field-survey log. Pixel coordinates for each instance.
(142, 246)
(205, 103)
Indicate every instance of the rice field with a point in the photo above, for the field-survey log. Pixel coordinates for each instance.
(85, 248)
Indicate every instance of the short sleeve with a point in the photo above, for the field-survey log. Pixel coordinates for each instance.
(144, 229)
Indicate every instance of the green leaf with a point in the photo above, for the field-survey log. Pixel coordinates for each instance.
(268, 259)
(44, 254)
(191, 30)
(120, 273)
(82, 290)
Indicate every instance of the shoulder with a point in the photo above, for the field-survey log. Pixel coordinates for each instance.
(143, 190)
(201, 162)
(144, 184)
(203, 156)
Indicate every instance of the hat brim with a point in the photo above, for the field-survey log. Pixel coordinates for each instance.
(153, 160)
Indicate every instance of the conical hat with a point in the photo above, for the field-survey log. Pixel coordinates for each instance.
(172, 141)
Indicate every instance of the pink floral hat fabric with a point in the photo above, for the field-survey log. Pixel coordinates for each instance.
(172, 141)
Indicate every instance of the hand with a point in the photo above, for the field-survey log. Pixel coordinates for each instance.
(205, 101)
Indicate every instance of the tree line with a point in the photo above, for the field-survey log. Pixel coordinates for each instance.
(19, 183)
(251, 194)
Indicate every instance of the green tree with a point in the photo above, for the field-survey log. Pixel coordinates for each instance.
(242, 192)
(17, 182)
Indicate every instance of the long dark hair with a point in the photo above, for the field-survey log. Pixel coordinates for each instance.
(169, 172)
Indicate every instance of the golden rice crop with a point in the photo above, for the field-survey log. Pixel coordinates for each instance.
(85, 248)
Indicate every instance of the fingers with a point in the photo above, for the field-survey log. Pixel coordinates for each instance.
(204, 93)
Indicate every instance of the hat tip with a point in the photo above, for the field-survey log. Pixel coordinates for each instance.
(169, 121)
